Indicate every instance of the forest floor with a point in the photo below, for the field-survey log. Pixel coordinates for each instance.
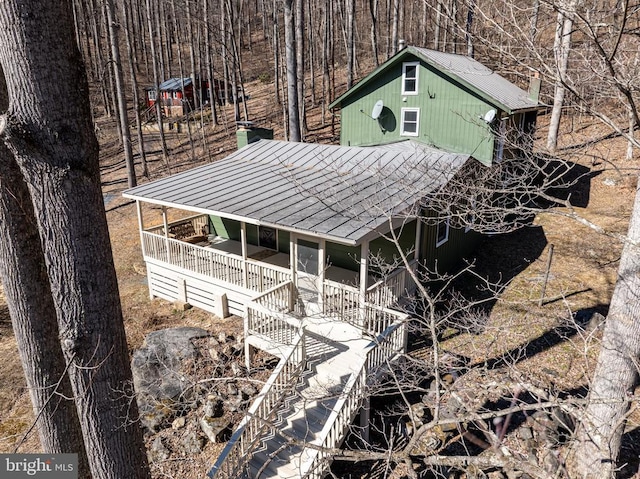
(532, 337)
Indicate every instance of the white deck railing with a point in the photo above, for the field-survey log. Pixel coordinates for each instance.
(276, 328)
(370, 317)
(386, 347)
(213, 263)
(199, 223)
(391, 288)
(341, 300)
(259, 420)
(279, 298)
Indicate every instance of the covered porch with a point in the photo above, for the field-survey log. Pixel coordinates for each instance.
(276, 212)
(187, 260)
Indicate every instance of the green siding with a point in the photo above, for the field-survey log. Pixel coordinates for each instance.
(225, 228)
(252, 234)
(450, 114)
(283, 241)
(388, 251)
(448, 255)
(343, 256)
(231, 229)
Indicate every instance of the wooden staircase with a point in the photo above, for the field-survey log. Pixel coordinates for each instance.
(289, 451)
(308, 405)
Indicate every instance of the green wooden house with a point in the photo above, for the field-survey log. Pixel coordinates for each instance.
(281, 205)
(294, 237)
(448, 101)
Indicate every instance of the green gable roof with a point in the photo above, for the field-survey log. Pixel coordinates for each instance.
(486, 83)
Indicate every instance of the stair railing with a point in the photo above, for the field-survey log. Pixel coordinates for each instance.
(386, 347)
(232, 462)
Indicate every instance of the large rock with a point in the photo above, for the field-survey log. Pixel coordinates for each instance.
(158, 373)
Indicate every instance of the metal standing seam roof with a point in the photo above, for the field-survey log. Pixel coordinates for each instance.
(342, 193)
(174, 84)
(467, 71)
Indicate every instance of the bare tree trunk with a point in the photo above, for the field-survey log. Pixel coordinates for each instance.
(209, 65)
(562, 47)
(438, 27)
(33, 314)
(192, 56)
(299, 23)
(121, 95)
(134, 89)
(275, 45)
(599, 434)
(178, 36)
(109, 70)
(632, 127)
(292, 80)
(395, 19)
(156, 84)
(373, 10)
(468, 28)
(534, 21)
(224, 51)
(424, 22)
(313, 51)
(350, 28)
(160, 45)
(326, 78)
(55, 146)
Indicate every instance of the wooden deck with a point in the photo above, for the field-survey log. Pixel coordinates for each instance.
(331, 337)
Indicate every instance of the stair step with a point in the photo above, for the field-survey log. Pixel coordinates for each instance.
(302, 417)
(272, 470)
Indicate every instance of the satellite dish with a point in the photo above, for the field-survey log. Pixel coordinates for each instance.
(489, 116)
(377, 110)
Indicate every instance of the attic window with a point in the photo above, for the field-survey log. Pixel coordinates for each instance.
(410, 121)
(151, 94)
(410, 78)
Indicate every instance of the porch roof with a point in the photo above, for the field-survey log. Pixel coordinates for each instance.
(341, 193)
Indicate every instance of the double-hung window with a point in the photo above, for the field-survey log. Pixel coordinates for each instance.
(410, 78)
(410, 118)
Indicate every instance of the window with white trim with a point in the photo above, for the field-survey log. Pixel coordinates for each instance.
(442, 232)
(410, 78)
(151, 94)
(410, 121)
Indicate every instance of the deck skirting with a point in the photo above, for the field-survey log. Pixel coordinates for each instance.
(176, 284)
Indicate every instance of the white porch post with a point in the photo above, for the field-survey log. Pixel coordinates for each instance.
(141, 226)
(364, 275)
(294, 269)
(322, 259)
(243, 242)
(165, 224)
(416, 251)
